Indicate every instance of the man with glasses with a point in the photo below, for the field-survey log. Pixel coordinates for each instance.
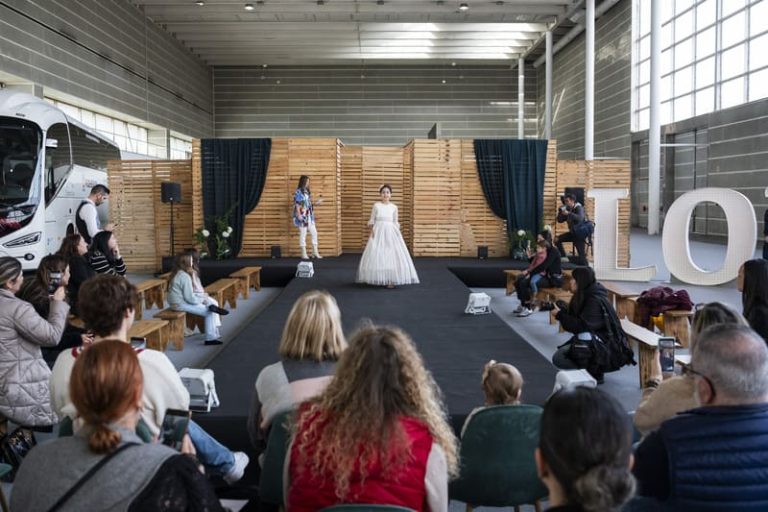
(714, 457)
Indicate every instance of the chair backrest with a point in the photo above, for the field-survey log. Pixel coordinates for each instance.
(497, 458)
(271, 479)
(66, 429)
(361, 507)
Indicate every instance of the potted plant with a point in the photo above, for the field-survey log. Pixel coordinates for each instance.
(519, 244)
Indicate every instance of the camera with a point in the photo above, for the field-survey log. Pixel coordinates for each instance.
(54, 281)
(561, 304)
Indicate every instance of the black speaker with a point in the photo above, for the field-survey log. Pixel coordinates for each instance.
(275, 252)
(576, 191)
(170, 192)
(482, 252)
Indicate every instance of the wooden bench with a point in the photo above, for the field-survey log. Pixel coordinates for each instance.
(196, 321)
(155, 331)
(176, 324)
(554, 295)
(622, 299)
(75, 321)
(166, 277)
(151, 292)
(647, 343)
(224, 290)
(677, 323)
(249, 277)
(513, 273)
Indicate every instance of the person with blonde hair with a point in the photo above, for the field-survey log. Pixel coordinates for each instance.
(502, 384)
(106, 465)
(662, 397)
(378, 434)
(311, 344)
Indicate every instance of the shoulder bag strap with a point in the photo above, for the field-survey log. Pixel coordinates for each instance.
(96, 467)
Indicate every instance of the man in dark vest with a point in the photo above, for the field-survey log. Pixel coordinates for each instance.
(714, 457)
(87, 218)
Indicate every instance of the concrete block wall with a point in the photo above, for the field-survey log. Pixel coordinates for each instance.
(613, 75)
(108, 53)
(389, 106)
(731, 151)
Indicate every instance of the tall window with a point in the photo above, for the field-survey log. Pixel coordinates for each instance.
(714, 55)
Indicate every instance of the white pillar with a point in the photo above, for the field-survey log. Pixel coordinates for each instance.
(548, 87)
(521, 98)
(589, 83)
(654, 126)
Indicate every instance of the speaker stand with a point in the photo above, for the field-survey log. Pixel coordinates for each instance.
(173, 245)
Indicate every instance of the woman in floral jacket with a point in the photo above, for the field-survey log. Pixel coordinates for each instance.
(304, 217)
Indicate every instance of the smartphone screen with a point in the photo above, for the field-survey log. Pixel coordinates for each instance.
(667, 354)
(174, 428)
(137, 342)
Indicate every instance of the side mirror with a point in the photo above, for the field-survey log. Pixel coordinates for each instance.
(51, 143)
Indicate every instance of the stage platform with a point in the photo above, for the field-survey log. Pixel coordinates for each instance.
(455, 346)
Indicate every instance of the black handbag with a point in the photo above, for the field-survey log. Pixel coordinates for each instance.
(14, 447)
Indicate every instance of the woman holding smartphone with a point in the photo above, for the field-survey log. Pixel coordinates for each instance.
(114, 468)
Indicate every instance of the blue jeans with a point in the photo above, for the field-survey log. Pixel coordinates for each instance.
(217, 458)
(211, 333)
(535, 279)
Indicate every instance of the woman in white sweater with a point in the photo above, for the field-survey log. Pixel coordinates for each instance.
(182, 297)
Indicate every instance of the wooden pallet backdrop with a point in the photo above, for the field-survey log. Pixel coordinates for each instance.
(142, 220)
(442, 208)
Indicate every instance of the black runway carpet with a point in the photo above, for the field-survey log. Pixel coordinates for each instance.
(455, 346)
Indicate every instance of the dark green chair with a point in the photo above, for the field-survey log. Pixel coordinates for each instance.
(498, 468)
(4, 470)
(142, 430)
(360, 507)
(271, 479)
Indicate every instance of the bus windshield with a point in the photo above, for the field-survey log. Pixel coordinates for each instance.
(19, 148)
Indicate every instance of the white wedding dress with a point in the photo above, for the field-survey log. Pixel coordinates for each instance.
(386, 260)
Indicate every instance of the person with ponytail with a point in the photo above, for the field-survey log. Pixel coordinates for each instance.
(106, 466)
(584, 456)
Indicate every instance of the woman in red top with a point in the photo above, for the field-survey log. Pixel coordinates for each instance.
(377, 435)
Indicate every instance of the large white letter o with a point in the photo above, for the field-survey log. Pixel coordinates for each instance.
(742, 226)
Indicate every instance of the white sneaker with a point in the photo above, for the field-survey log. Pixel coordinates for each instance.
(519, 309)
(525, 312)
(238, 470)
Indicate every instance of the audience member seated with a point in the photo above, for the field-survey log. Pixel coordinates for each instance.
(715, 457)
(181, 297)
(378, 433)
(52, 273)
(24, 375)
(663, 399)
(117, 471)
(311, 344)
(74, 249)
(753, 285)
(104, 255)
(502, 384)
(549, 274)
(590, 314)
(107, 305)
(199, 290)
(585, 452)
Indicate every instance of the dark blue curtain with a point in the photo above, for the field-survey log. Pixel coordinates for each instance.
(512, 176)
(234, 172)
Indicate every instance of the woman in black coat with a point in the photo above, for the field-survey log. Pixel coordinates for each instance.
(752, 282)
(591, 313)
(73, 249)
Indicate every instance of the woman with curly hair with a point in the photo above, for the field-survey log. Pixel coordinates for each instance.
(377, 435)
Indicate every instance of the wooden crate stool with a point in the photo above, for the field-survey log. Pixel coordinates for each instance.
(151, 292)
(623, 299)
(647, 343)
(511, 278)
(224, 290)
(195, 321)
(176, 323)
(677, 323)
(567, 278)
(166, 277)
(249, 277)
(156, 332)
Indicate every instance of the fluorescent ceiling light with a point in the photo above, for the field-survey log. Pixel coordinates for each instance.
(463, 7)
(248, 7)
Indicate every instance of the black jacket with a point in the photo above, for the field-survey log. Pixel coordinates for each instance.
(758, 320)
(551, 265)
(591, 317)
(79, 272)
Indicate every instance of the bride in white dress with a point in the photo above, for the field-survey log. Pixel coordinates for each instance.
(386, 261)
